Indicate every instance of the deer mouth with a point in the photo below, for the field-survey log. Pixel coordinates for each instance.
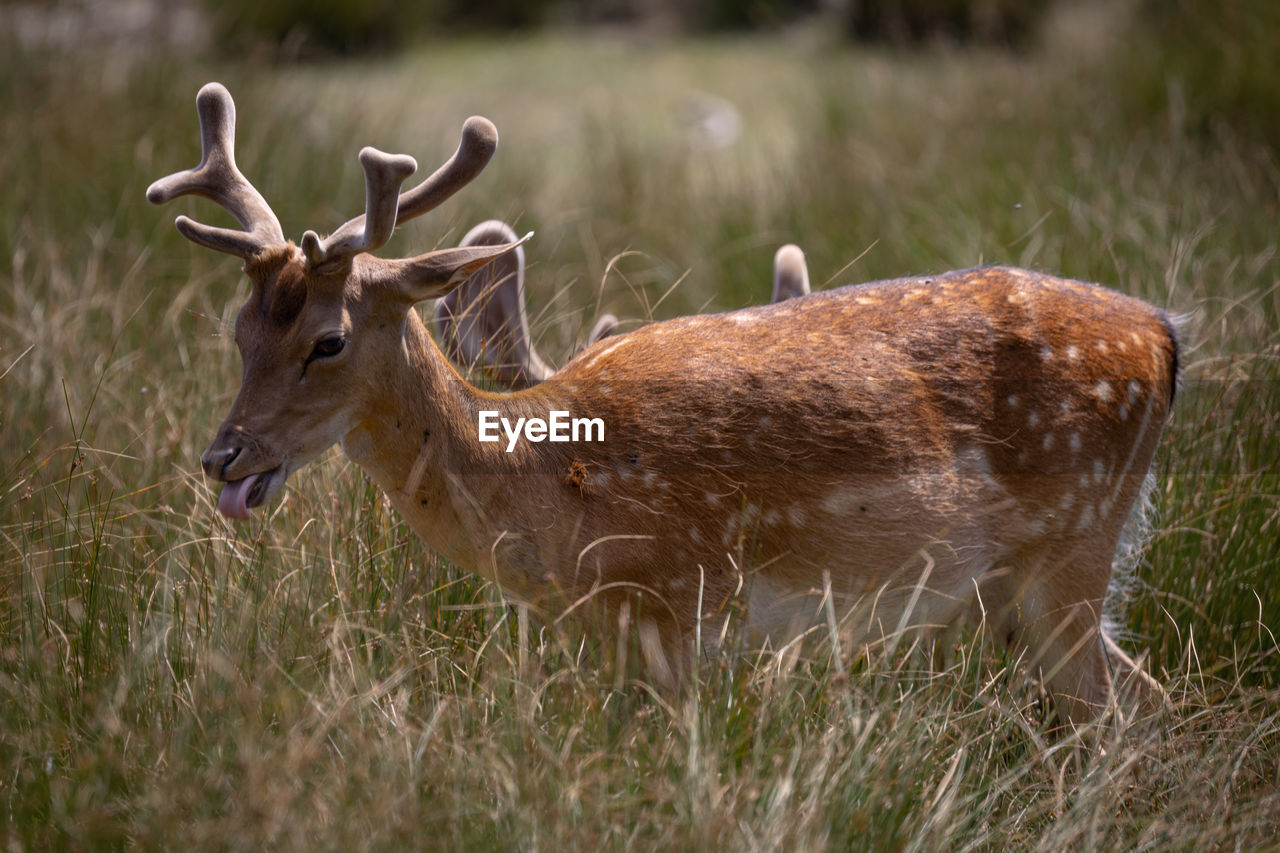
(238, 497)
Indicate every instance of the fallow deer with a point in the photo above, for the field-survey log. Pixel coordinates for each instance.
(483, 322)
(895, 454)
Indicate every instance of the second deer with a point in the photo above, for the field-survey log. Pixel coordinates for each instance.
(483, 321)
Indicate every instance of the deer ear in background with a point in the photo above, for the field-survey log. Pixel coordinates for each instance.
(483, 323)
(790, 273)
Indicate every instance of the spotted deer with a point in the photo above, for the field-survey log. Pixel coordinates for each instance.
(483, 322)
(894, 454)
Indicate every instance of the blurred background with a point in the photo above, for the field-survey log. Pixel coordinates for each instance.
(1219, 55)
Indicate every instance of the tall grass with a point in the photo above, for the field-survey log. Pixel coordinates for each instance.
(318, 678)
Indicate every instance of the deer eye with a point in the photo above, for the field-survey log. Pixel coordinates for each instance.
(327, 348)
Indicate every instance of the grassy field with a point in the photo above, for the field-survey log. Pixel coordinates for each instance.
(318, 679)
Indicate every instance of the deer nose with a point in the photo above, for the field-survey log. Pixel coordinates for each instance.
(216, 459)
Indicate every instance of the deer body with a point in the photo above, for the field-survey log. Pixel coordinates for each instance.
(732, 453)
(896, 454)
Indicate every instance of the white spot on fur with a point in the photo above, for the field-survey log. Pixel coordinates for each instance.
(1033, 419)
(1046, 353)
(1075, 442)
(1013, 401)
(1099, 471)
(1086, 518)
(1072, 353)
(1101, 346)
(977, 462)
(1133, 390)
(796, 515)
(712, 498)
(1067, 500)
(1047, 444)
(608, 349)
(1102, 390)
(772, 517)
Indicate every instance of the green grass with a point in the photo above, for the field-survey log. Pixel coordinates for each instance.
(317, 678)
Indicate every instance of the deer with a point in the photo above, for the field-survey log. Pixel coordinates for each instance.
(483, 321)
(890, 457)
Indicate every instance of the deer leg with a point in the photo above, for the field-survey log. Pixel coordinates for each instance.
(1047, 607)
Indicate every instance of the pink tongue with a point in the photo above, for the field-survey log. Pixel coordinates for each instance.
(233, 501)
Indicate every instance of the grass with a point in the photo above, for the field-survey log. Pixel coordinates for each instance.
(319, 679)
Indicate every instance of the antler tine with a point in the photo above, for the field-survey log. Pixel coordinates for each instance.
(479, 141)
(383, 175)
(217, 178)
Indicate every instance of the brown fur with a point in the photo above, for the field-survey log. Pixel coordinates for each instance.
(901, 454)
(926, 448)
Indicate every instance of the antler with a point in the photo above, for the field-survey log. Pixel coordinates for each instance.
(384, 210)
(383, 175)
(217, 178)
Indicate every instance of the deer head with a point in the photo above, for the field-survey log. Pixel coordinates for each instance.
(320, 314)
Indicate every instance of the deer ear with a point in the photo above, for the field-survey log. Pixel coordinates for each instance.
(432, 275)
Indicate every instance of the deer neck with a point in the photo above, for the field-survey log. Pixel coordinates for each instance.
(418, 439)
